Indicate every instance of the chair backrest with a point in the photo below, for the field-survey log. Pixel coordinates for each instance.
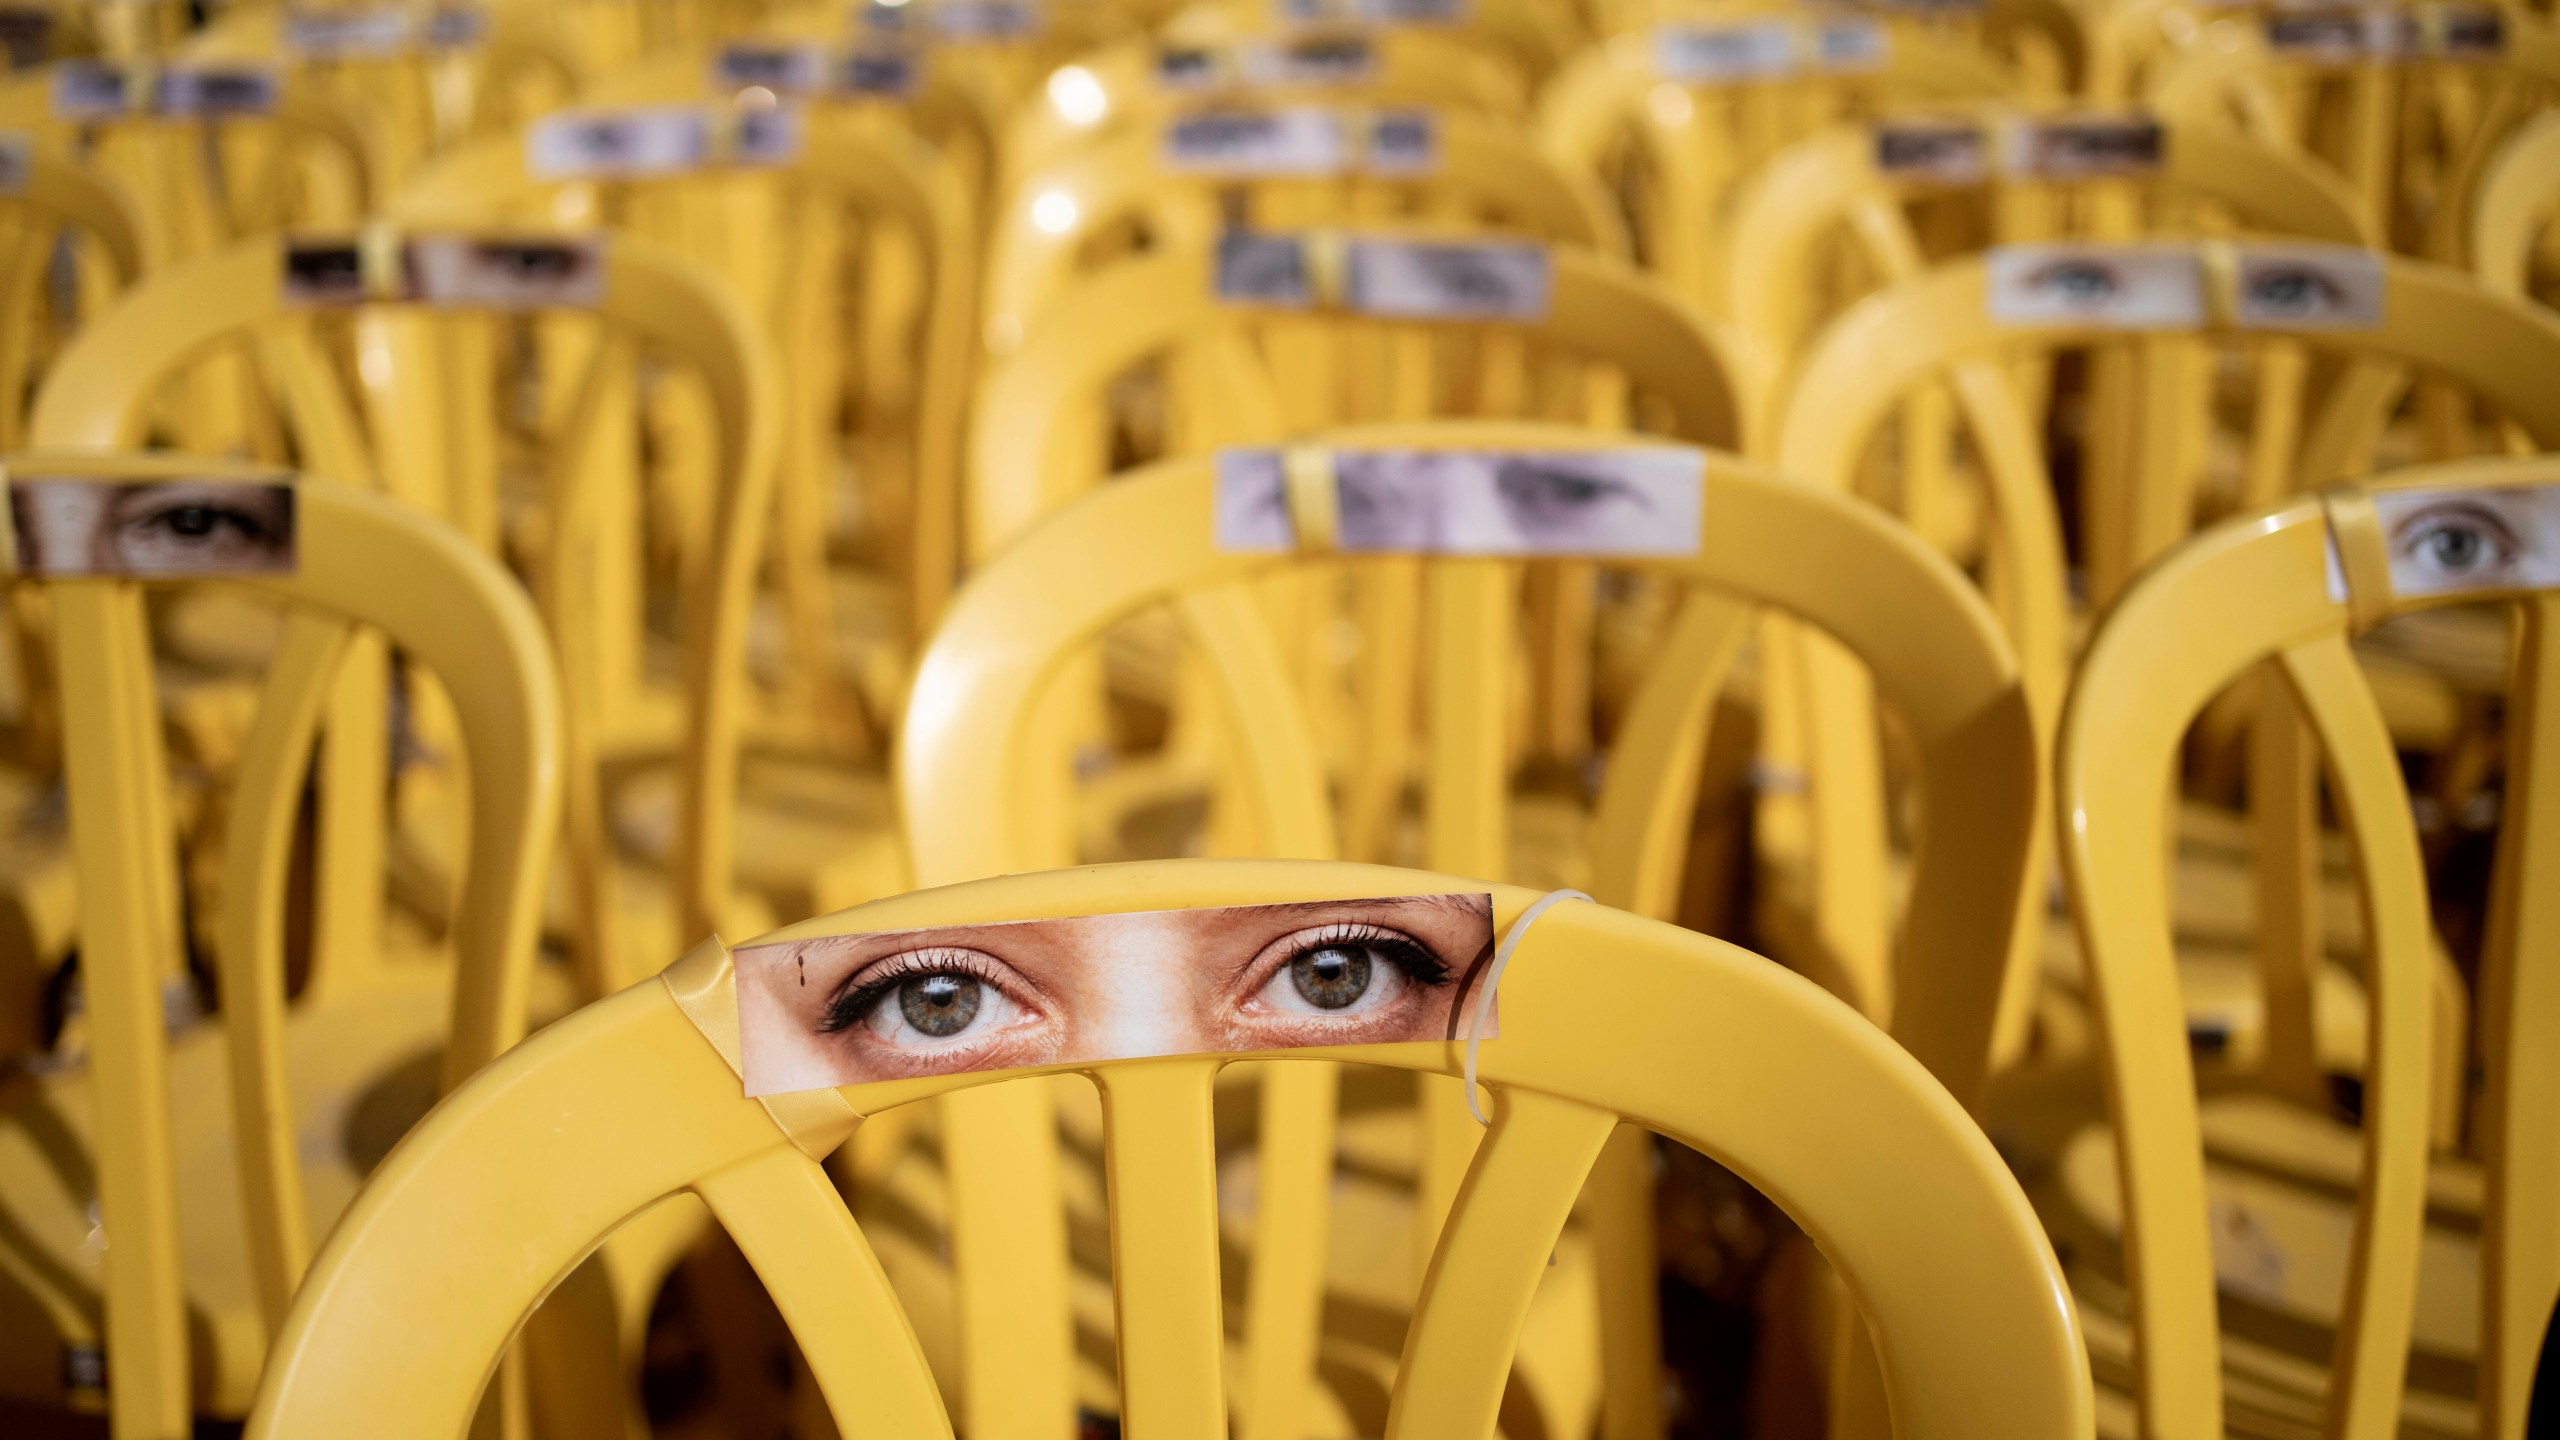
(97, 397)
(1021, 463)
(2289, 588)
(873, 172)
(1480, 170)
(353, 559)
(1147, 540)
(1832, 181)
(638, 1097)
(2514, 205)
(1135, 83)
(56, 199)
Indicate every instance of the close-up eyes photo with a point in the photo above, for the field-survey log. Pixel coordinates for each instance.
(2447, 542)
(1478, 281)
(845, 1010)
(2080, 284)
(170, 528)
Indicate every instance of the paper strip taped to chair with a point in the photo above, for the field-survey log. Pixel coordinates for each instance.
(70, 526)
(1638, 501)
(462, 271)
(1305, 62)
(1371, 12)
(641, 141)
(1289, 140)
(807, 68)
(98, 90)
(2068, 146)
(2469, 541)
(2163, 286)
(1736, 52)
(987, 19)
(17, 161)
(1394, 278)
(852, 1009)
(2339, 35)
(381, 32)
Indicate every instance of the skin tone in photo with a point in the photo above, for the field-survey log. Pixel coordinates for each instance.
(852, 1009)
(2447, 542)
(177, 527)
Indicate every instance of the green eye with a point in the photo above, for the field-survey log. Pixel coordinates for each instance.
(1331, 978)
(939, 1005)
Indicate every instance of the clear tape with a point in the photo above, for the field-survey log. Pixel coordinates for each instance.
(1483, 1010)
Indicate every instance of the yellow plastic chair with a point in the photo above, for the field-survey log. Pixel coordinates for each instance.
(1940, 324)
(638, 1098)
(58, 199)
(1146, 540)
(1680, 149)
(2513, 207)
(98, 396)
(1135, 84)
(1830, 183)
(2290, 587)
(1483, 172)
(213, 1196)
(913, 359)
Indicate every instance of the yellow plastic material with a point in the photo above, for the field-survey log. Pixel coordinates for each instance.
(600, 1115)
(362, 560)
(1147, 538)
(1482, 170)
(2516, 200)
(95, 397)
(1831, 180)
(2255, 591)
(2433, 319)
(1019, 467)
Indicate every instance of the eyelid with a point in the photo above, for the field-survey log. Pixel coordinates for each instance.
(1269, 960)
(2444, 510)
(857, 993)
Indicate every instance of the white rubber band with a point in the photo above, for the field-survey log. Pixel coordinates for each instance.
(1483, 1010)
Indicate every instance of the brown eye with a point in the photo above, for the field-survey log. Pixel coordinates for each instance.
(1331, 978)
(939, 1005)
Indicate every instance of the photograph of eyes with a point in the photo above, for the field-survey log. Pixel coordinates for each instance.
(850, 1009)
(2451, 542)
(877, 72)
(642, 141)
(1725, 52)
(197, 91)
(322, 272)
(2332, 35)
(1404, 142)
(786, 69)
(1853, 44)
(1423, 280)
(1951, 152)
(1290, 141)
(1632, 502)
(507, 273)
(156, 527)
(1263, 270)
(83, 89)
(16, 152)
(2308, 286)
(2081, 146)
(2126, 287)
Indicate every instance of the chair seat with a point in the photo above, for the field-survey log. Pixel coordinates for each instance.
(2279, 1186)
(362, 1066)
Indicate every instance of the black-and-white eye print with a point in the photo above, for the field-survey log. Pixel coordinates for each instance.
(17, 160)
(779, 66)
(213, 91)
(2308, 287)
(165, 528)
(1929, 150)
(508, 272)
(89, 90)
(1288, 140)
(1267, 270)
(2123, 287)
(1448, 280)
(878, 69)
(1644, 501)
(2472, 539)
(322, 272)
(1727, 52)
(2086, 146)
(597, 144)
(1404, 142)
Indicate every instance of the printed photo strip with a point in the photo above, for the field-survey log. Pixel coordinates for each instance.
(2085, 145)
(2467, 540)
(1935, 150)
(17, 161)
(2308, 287)
(177, 528)
(1301, 140)
(1392, 278)
(2123, 287)
(97, 90)
(648, 140)
(853, 1009)
(492, 272)
(1639, 502)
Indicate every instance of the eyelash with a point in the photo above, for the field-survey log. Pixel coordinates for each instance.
(1401, 950)
(2428, 521)
(883, 979)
